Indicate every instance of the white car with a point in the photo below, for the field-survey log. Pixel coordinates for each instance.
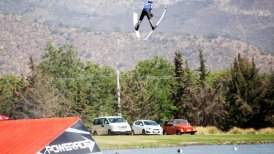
(146, 127)
(110, 125)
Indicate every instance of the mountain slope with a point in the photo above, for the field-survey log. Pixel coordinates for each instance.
(21, 37)
(251, 21)
(103, 33)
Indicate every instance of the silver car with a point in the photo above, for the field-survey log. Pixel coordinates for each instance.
(110, 125)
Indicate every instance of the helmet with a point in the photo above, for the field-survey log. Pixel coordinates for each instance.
(150, 2)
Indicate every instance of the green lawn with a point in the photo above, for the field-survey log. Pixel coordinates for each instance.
(123, 142)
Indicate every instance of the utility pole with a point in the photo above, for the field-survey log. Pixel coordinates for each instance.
(118, 92)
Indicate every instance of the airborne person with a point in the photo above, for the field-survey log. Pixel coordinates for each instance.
(147, 11)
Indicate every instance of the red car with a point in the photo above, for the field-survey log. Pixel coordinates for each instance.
(178, 126)
(2, 117)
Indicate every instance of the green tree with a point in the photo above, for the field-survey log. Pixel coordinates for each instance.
(146, 90)
(267, 108)
(135, 101)
(36, 97)
(6, 94)
(181, 87)
(158, 78)
(62, 62)
(203, 72)
(209, 106)
(64, 65)
(245, 93)
(90, 88)
(208, 103)
(99, 90)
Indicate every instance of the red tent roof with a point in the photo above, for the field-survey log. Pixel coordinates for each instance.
(30, 136)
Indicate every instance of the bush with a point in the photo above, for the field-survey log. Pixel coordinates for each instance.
(250, 131)
(235, 130)
(211, 130)
(208, 130)
(201, 130)
(266, 131)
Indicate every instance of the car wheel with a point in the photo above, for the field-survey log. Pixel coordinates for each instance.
(192, 133)
(178, 132)
(143, 132)
(109, 132)
(164, 133)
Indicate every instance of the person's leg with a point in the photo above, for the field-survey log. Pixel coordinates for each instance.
(138, 25)
(149, 19)
(151, 24)
(140, 20)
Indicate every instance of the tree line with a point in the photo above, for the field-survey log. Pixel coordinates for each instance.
(62, 85)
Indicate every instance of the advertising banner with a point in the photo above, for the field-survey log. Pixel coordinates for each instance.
(74, 140)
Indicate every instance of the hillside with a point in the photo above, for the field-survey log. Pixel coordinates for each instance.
(21, 37)
(251, 21)
(102, 31)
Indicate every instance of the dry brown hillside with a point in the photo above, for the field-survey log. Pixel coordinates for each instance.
(251, 21)
(21, 37)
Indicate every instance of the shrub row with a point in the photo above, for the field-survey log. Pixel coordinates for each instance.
(235, 130)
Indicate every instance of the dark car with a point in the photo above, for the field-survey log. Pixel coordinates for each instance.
(177, 126)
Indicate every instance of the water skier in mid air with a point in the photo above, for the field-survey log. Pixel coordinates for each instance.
(147, 11)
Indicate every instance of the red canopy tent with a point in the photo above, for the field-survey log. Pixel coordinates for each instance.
(44, 135)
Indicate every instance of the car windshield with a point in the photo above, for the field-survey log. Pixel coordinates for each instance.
(116, 120)
(179, 122)
(150, 123)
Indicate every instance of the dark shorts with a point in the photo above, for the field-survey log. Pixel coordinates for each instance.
(145, 12)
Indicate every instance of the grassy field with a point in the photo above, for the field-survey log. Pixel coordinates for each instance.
(125, 142)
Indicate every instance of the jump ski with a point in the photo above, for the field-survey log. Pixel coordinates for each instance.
(157, 24)
(135, 20)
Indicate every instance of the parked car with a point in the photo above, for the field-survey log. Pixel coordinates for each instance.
(146, 127)
(110, 125)
(2, 117)
(177, 126)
